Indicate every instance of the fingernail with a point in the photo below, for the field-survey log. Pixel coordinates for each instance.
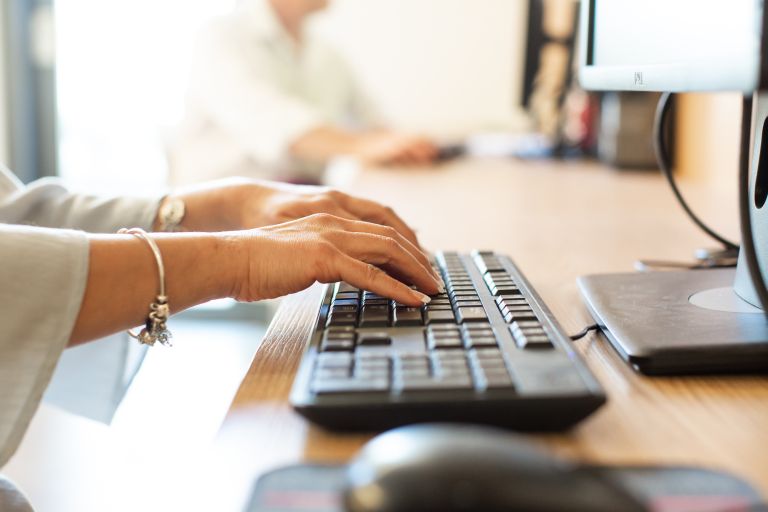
(425, 299)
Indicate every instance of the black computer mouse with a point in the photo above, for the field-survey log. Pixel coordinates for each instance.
(452, 467)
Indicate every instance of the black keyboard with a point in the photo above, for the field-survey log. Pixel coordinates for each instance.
(486, 351)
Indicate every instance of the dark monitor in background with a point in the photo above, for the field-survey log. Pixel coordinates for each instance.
(545, 75)
(540, 38)
(692, 321)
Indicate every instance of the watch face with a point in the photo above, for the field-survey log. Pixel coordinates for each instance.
(172, 213)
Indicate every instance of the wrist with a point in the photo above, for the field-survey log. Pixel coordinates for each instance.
(233, 259)
(218, 206)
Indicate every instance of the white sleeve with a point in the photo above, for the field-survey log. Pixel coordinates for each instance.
(43, 275)
(47, 203)
(231, 82)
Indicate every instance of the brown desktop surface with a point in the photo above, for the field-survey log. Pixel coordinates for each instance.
(557, 221)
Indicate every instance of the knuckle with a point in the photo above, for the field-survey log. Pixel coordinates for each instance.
(325, 219)
(334, 194)
(372, 273)
(392, 244)
(391, 232)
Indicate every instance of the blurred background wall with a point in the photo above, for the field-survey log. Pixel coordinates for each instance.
(436, 65)
(708, 137)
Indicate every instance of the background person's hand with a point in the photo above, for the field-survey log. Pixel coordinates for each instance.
(387, 148)
(289, 257)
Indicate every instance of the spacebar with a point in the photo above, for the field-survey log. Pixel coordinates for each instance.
(323, 387)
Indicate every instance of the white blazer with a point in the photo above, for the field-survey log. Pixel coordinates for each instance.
(43, 273)
(253, 92)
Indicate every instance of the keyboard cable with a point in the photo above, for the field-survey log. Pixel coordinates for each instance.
(584, 332)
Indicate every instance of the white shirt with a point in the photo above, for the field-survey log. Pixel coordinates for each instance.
(43, 273)
(253, 92)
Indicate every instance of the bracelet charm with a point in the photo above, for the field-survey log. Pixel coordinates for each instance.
(155, 328)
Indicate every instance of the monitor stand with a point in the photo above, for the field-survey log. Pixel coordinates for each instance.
(667, 323)
(697, 321)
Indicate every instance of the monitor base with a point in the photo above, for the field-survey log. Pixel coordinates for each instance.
(651, 322)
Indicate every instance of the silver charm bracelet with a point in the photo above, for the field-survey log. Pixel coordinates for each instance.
(155, 327)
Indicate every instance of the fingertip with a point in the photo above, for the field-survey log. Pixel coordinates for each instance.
(424, 299)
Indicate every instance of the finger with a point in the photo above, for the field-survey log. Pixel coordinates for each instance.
(372, 211)
(389, 232)
(389, 254)
(369, 277)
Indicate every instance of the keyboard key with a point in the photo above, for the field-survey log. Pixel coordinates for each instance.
(439, 316)
(493, 380)
(480, 342)
(344, 302)
(344, 309)
(329, 386)
(503, 289)
(483, 329)
(375, 363)
(468, 301)
(341, 332)
(526, 325)
(486, 355)
(536, 341)
(403, 316)
(374, 339)
(518, 315)
(448, 355)
(374, 316)
(345, 288)
(330, 345)
(331, 373)
(342, 318)
(428, 384)
(444, 343)
(329, 360)
(347, 296)
(471, 314)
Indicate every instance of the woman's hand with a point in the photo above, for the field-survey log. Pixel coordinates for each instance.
(245, 204)
(289, 257)
(247, 265)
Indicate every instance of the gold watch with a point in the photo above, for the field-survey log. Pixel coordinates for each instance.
(170, 214)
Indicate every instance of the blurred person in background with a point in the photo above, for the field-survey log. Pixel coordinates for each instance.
(267, 98)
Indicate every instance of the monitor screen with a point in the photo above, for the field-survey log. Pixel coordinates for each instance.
(671, 45)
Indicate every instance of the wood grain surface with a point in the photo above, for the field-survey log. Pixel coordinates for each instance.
(557, 221)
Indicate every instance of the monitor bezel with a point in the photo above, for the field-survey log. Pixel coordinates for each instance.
(666, 78)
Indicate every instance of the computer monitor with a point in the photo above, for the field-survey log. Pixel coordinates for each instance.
(674, 46)
(689, 321)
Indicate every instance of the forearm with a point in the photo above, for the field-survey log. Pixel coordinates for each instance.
(123, 278)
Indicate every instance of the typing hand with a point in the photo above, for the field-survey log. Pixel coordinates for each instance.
(245, 204)
(289, 257)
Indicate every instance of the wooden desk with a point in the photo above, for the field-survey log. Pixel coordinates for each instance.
(558, 221)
